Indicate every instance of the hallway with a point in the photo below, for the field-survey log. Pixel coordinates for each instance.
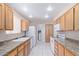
(41, 49)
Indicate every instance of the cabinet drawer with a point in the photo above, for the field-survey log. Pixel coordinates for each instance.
(13, 53)
(20, 47)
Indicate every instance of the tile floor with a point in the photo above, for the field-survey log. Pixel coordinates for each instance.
(41, 49)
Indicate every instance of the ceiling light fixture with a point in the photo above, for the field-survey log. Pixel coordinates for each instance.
(49, 8)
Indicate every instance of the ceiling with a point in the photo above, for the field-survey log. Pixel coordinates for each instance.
(39, 10)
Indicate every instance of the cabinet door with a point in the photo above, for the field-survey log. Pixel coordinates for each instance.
(27, 48)
(24, 25)
(69, 20)
(13, 53)
(61, 50)
(2, 18)
(77, 17)
(21, 52)
(62, 23)
(68, 53)
(9, 18)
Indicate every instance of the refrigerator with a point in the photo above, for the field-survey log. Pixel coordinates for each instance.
(32, 33)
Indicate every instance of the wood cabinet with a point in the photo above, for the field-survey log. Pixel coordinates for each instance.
(69, 20)
(2, 16)
(24, 25)
(22, 50)
(62, 23)
(13, 53)
(6, 17)
(68, 53)
(27, 48)
(21, 47)
(76, 17)
(61, 50)
(9, 18)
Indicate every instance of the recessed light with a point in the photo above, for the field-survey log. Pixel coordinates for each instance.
(46, 16)
(30, 16)
(49, 8)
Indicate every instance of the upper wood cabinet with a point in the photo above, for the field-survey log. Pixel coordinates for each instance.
(76, 17)
(62, 23)
(9, 18)
(69, 20)
(6, 17)
(2, 16)
(24, 25)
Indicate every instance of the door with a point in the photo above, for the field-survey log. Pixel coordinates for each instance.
(48, 32)
(77, 17)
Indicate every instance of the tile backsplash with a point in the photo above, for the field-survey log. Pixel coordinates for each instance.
(73, 35)
(4, 36)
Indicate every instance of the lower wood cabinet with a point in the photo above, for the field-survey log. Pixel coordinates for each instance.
(21, 50)
(27, 48)
(68, 53)
(13, 53)
(60, 50)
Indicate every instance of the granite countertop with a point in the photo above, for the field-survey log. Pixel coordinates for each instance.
(10, 45)
(70, 44)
